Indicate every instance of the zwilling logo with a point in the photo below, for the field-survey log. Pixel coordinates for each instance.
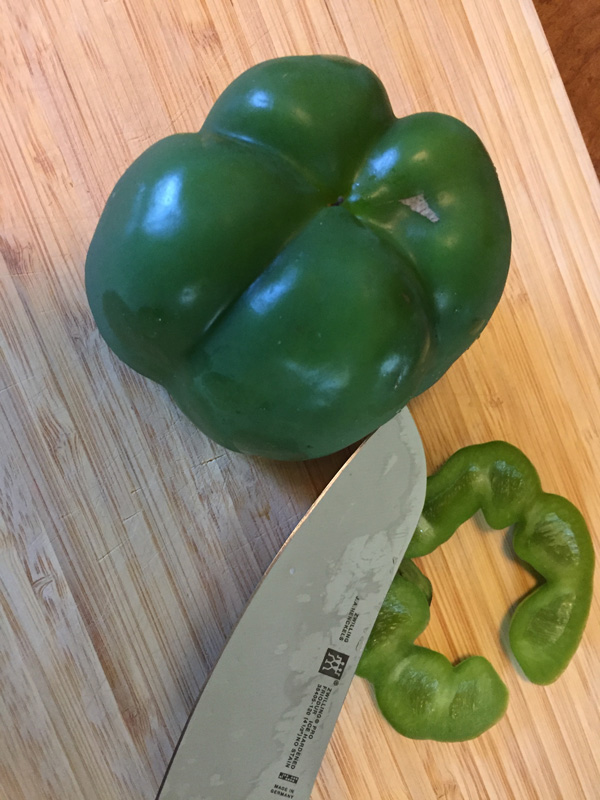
(334, 664)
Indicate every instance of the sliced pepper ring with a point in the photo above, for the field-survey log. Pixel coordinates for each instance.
(420, 693)
(550, 535)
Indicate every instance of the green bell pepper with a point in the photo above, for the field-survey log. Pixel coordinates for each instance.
(550, 535)
(418, 690)
(306, 263)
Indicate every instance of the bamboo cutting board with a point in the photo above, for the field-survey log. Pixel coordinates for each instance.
(130, 543)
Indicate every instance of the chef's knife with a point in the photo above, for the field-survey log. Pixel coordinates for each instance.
(263, 721)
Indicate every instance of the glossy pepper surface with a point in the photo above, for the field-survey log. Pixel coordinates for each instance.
(550, 535)
(306, 263)
(420, 693)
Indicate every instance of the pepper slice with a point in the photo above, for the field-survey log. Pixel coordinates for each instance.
(418, 690)
(550, 535)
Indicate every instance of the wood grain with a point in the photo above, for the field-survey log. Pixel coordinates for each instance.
(130, 543)
(573, 33)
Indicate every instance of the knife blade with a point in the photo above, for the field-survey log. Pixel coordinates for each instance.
(263, 721)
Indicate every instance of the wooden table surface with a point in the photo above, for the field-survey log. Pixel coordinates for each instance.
(573, 33)
(129, 542)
